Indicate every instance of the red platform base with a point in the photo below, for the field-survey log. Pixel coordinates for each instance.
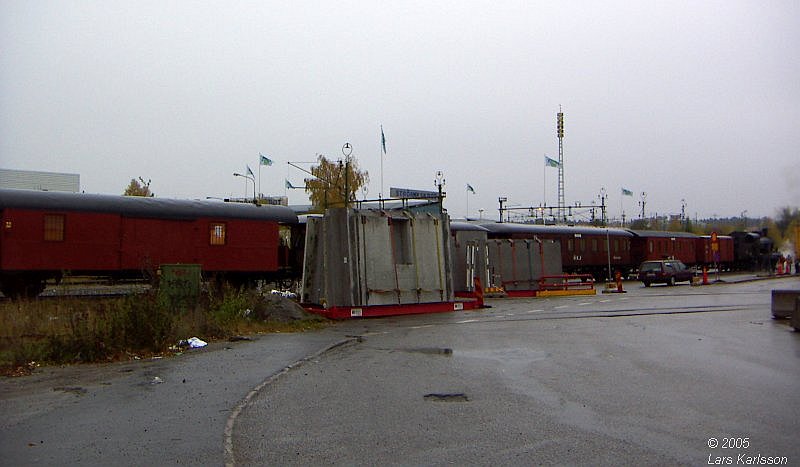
(373, 311)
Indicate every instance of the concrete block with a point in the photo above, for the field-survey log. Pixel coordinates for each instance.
(783, 303)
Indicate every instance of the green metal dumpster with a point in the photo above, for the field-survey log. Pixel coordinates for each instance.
(180, 284)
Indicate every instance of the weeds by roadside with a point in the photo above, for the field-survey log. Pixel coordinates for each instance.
(79, 330)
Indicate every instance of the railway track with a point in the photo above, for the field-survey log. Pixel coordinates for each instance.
(91, 288)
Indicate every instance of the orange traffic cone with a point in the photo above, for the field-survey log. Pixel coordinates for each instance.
(478, 291)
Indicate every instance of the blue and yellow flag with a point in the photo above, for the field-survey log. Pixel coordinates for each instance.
(550, 162)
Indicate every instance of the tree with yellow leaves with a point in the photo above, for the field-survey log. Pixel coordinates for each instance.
(332, 180)
(140, 188)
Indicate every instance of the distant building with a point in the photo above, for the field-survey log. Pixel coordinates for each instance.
(42, 181)
(268, 200)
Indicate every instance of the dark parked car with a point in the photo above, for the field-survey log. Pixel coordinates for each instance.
(667, 271)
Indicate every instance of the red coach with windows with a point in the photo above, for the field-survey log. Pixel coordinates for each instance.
(650, 245)
(45, 234)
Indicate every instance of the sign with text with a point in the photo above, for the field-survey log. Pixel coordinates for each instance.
(410, 193)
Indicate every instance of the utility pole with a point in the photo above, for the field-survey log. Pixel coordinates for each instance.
(602, 197)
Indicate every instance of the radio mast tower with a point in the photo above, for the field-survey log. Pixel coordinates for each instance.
(560, 132)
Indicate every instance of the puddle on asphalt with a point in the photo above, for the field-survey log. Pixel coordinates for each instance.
(447, 397)
(429, 350)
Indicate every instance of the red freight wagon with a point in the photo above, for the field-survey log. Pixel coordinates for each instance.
(705, 253)
(584, 250)
(46, 233)
(648, 245)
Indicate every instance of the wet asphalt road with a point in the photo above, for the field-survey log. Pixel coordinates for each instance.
(646, 377)
(120, 414)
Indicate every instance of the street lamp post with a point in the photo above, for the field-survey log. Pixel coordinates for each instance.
(247, 177)
(439, 183)
(683, 214)
(642, 203)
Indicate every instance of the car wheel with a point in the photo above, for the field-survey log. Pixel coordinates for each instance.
(646, 284)
(671, 281)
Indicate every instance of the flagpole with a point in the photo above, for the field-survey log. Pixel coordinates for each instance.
(467, 216)
(259, 173)
(382, 150)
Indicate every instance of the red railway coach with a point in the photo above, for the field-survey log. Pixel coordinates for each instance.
(705, 251)
(584, 250)
(648, 245)
(47, 233)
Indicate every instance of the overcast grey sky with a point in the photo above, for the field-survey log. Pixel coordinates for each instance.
(695, 100)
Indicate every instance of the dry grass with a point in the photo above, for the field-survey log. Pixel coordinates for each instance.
(77, 330)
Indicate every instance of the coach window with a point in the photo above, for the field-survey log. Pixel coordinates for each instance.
(217, 233)
(54, 227)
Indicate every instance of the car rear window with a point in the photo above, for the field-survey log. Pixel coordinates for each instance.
(646, 267)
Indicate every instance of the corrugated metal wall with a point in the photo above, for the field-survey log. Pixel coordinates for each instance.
(362, 258)
(44, 181)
